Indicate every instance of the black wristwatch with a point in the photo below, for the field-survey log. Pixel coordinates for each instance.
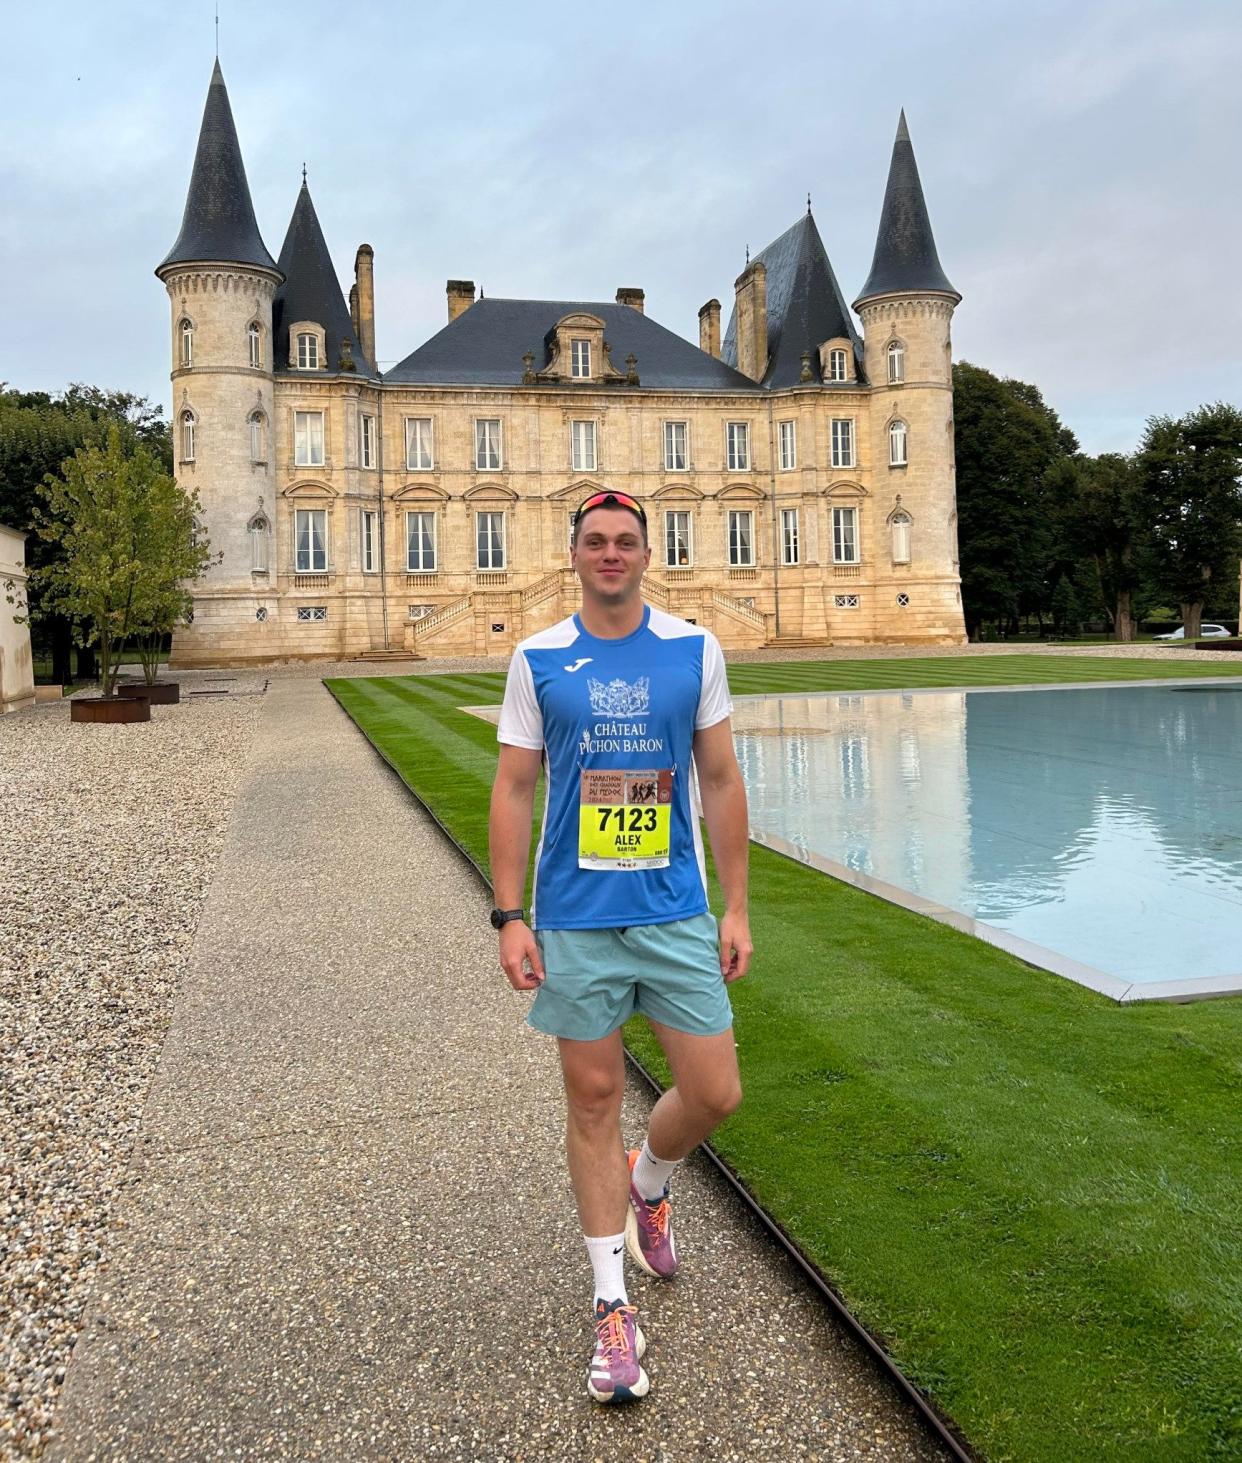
(501, 917)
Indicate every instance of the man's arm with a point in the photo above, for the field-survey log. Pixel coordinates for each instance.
(723, 795)
(508, 831)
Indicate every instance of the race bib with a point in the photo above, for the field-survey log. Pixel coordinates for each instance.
(624, 819)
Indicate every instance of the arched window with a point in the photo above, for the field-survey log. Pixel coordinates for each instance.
(188, 425)
(836, 365)
(254, 340)
(258, 529)
(258, 437)
(897, 444)
(308, 351)
(896, 363)
(900, 526)
(187, 343)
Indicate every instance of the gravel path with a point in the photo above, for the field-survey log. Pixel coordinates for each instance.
(109, 837)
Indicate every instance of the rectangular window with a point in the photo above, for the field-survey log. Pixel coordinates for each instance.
(789, 446)
(843, 442)
(487, 445)
(366, 440)
(307, 613)
(791, 550)
(418, 444)
(311, 530)
(675, 456)
(370, 541)
(737, 442)
(255, 336)
(678, 543)
(308, 438)
(836, 365)
(845, 535)
(741, 538)
(580, 358)
(308, 352)
(490, 535)
(845, 601)
(420, 543)
(582, 439)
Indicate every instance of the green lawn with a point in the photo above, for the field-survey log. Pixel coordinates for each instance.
(1030, 1193)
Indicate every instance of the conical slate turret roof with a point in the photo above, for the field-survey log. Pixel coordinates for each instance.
(219, 223)
(805, 306)
(905, 251)
(311, 290)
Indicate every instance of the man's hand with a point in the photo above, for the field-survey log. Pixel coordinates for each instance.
(735, 947)
(517, 951)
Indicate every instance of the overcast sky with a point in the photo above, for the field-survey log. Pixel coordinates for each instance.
(1080, 163)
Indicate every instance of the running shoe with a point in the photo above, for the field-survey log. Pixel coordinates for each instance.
(615, 1374)
(649, 1230)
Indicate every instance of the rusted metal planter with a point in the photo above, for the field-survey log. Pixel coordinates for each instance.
(159, 693)
(111, 710)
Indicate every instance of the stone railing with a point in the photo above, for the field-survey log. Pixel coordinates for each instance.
(655, 593)
(312, 581)
(428, 579)
(431, 624)
(733, 606)
(847, 571)
(545, 588)
(492, 578)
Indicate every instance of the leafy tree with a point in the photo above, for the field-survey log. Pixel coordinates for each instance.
(38, 432)
(1007, 439)
(126, 532)
(1192, 500)
(1107, 522)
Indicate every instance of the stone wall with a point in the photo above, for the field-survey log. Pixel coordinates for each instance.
(16, 662)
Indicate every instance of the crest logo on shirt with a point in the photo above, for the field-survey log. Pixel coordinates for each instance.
(620, 698)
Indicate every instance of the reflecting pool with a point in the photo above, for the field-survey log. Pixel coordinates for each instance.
(1095, 832)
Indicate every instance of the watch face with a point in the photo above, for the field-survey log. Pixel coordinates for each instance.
(497, 919)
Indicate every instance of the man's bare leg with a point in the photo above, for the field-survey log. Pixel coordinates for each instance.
(594, 1076)
(706, 1089)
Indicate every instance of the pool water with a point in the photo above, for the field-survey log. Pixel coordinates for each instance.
(1095, 831)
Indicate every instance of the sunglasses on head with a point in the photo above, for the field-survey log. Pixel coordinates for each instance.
(611, 500)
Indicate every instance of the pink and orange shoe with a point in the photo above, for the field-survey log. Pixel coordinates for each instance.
(615, 1374)
(649, 1230)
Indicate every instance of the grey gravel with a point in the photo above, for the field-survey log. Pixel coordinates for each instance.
(347, 1231)
(108, 839)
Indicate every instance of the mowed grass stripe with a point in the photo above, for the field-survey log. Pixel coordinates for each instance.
(1031, 1193)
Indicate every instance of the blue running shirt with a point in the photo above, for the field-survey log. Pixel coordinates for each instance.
(616, 719)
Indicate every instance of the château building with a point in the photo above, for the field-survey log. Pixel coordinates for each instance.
(797, 472)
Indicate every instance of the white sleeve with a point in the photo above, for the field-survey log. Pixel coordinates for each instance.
(521, 721)
(714, 701)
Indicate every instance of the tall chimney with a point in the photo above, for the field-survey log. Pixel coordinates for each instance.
(709, 328)
(353, 308)
(460, 297)
(631, 297)
(752, 320)
(364, 284)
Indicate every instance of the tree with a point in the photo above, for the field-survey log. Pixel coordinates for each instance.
(1108, 523)
(1006, 439)
(38, 432)
(126, 533)
(1192, 500)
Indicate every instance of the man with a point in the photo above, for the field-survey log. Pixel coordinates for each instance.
(613, 704)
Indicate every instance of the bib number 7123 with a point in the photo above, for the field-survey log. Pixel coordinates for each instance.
(625, 819)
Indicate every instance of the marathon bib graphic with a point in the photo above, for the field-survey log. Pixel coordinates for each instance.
(624, 819)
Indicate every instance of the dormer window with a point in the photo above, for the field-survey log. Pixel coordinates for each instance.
(836, 365)
(254, 340)
(580, 359)
(187, 343)
(308, 351)
(896, 363)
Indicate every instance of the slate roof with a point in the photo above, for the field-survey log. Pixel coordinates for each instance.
(219, 223)
(905, 251)
(484, 346)
(805, 306)
(311, 290)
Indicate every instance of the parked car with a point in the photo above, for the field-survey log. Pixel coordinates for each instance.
(1206, 632)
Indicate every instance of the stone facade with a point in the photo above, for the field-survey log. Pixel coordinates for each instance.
(817, 532)
(16, 663)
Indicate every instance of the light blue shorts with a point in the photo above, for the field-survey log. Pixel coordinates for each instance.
(595, 980)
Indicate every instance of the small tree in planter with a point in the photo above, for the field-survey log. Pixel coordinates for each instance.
(126, 531)
(176, 553)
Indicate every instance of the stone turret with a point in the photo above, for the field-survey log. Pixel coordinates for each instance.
(906, 308)
(221, 282)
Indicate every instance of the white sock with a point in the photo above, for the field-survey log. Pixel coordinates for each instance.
(651, 1174)
(607, 1254)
